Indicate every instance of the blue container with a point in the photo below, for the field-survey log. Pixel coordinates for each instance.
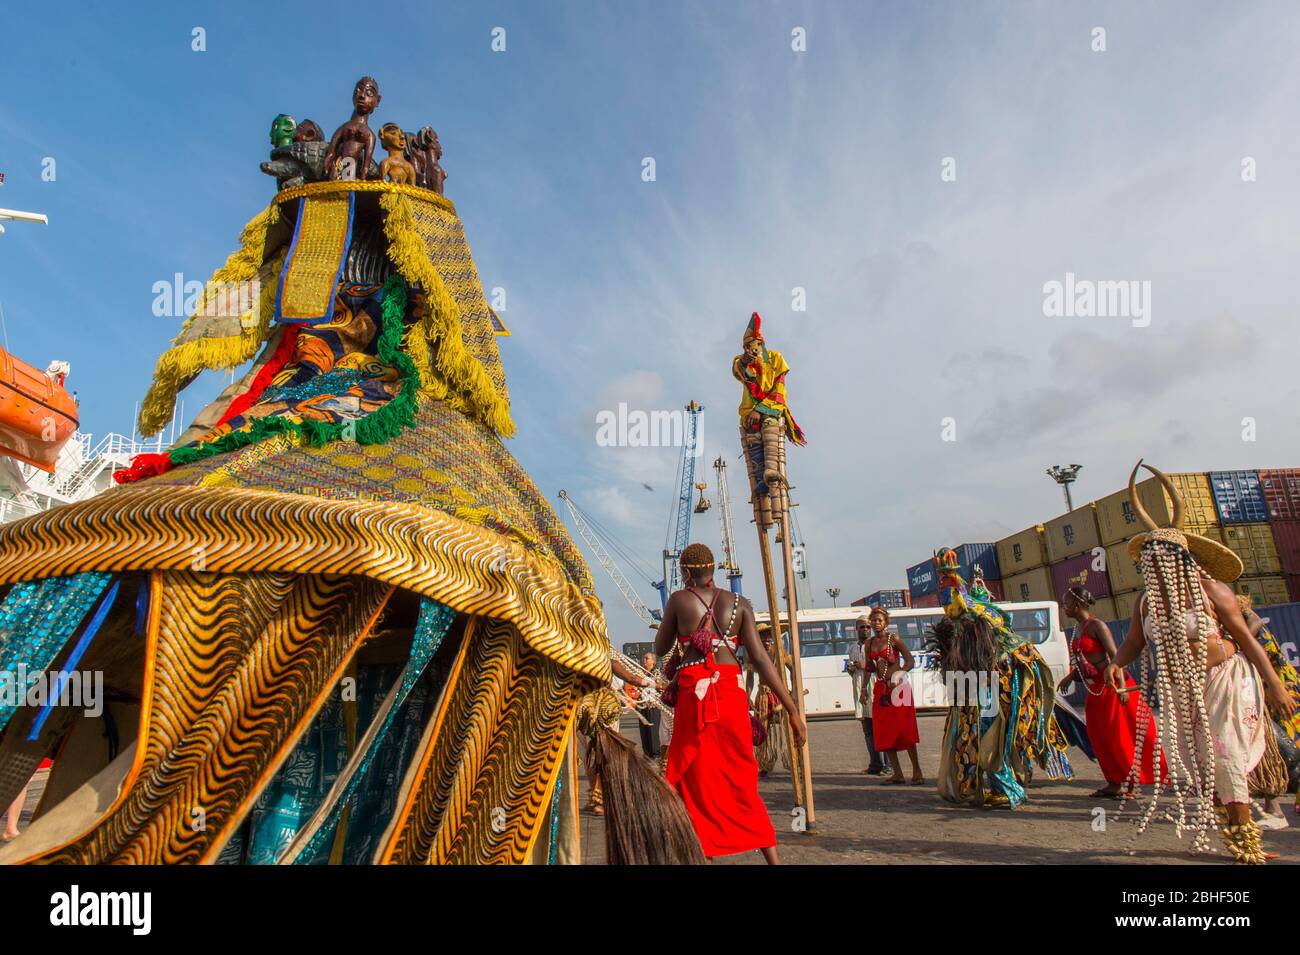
(922, 578)
(889, 599)
(1238, 497)
(986, 555)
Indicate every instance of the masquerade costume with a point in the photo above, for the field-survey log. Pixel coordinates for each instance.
(711, 760)
(992, 742)
(350, 494)
(765, 420)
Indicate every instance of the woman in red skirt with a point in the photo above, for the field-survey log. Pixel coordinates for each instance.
(1111, 718)
(893, 714)
(711, 761)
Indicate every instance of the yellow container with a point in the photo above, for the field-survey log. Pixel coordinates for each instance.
(1021, 552)
(1033, 584)
(1072, 534)
(1123, 573)
(1104, 608)
(1118, 521)
(1124, 603)
(1254, 544)
(1263, 591)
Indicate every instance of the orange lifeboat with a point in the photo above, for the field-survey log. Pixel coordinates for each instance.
(37, 415)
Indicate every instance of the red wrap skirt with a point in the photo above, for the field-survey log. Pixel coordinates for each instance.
(1112, 731)
(711, 761)
(893, 717)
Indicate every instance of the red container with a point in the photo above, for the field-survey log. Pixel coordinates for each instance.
(995, 589)
(1065, 572)
(1286, 534)
(1281, 488)
(1293, 586)
(927, 600)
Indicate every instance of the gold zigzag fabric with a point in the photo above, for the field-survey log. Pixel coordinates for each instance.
(241, 663)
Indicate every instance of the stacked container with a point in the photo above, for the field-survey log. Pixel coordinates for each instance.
(1118, 522)
(1020, 552)
(889, 599)
(1244, 511)
(1281, 490)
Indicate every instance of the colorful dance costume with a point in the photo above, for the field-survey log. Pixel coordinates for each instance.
(991, 745)
(1112, 722)
(893, 714)
(711, 761)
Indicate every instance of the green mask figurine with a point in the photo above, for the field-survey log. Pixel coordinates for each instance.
(282, 130)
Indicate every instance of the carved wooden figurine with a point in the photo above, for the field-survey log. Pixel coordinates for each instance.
(352, 148)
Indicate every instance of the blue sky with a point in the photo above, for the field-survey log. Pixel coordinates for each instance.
(775, 170)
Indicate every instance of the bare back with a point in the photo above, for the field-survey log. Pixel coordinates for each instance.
(689, 610)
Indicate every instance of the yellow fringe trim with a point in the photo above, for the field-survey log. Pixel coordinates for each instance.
(180, 364)
(447, 369)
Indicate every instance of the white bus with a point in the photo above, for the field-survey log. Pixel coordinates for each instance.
(825, 636)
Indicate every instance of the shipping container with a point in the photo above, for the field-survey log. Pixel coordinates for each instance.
(1293, 586)
(985, 555)
(1085, 570)
(1286, 536)
(1103, 609)
(1124, 603)
(1023, 551)
(928, 600)
(1123, 573)
(996, 590)
(1238, 497)
(1072, 533)
(1033, 584)
(1254, 544)
(922, 579)
(1119, 522)
(1281, 489)
(1264, 591)
(889, 599)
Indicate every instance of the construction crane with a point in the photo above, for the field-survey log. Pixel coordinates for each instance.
(583, 523)
(729, 562)
(16, 216)
(679, 523)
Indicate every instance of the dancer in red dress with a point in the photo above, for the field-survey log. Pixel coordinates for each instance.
(1111, 717)
(711, 758)
(893, 712)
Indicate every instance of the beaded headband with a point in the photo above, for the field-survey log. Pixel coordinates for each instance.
(699, 566)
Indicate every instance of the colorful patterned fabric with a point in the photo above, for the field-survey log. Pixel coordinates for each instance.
(334, 374)
(1288, 675)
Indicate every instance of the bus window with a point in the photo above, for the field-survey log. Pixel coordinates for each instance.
(637, 650)
(915, 631)
(1035, 625)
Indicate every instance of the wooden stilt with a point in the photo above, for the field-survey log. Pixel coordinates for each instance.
(801, 769)
(774, 617)
(792, 621)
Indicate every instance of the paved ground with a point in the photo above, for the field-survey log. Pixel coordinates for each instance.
(860, 821)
